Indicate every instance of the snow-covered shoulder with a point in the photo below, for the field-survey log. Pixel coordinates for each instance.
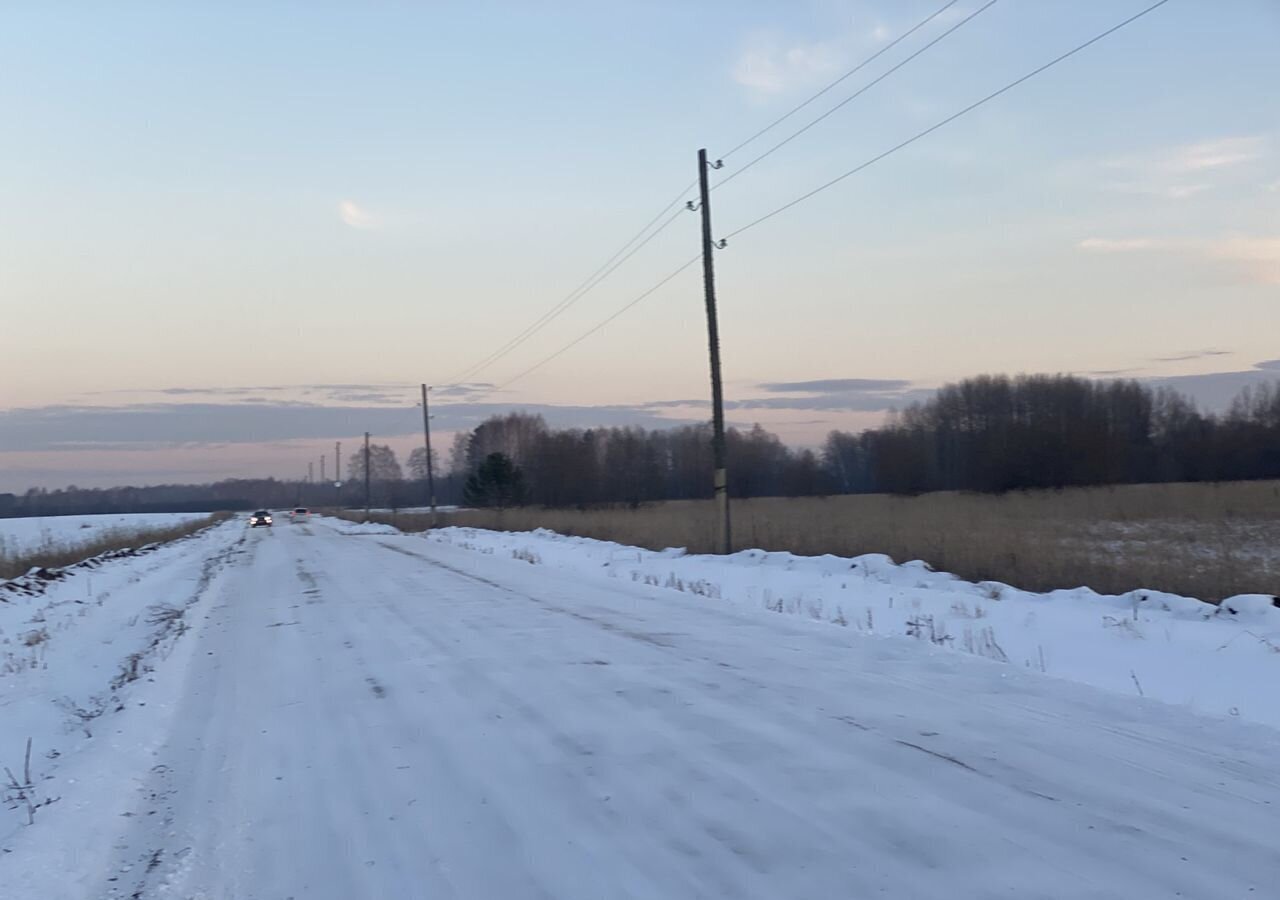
(343, 526)
(1220, 659)
(90, 662)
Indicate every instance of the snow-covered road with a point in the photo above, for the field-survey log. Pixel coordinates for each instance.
(380, 716)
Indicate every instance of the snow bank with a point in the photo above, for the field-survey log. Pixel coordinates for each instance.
(79, 647)
(37, 579)
(1220, 659)
(342, 526)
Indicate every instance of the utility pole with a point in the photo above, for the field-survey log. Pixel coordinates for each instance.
(713, 341)
(366, 476)
(426, 436)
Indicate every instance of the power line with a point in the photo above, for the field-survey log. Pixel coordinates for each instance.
(902, 145)
(855, 170)
(948, 120)
(858, 68)
(624, 253)
(627, 250)
(858, 93)
(582, 337)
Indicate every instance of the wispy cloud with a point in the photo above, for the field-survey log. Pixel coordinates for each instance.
(1156, 187)
(180, 424)
(1200, 156)
(1183, 191)
(1122, 245)
(1259, 257)
(1186, 170)
(1215, 154)
(1255, 259)
(829, 385)
(356, 216)
(382, 398)
(772, 62)
(387, 392)
(1194, 354)
(834, 395)
(464, 390)
(768, 65)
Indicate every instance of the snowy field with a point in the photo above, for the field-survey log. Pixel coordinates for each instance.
(24, 535)
(1218, 659)
(333, 712)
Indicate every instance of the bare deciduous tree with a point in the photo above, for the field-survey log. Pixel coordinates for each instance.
(383, 465)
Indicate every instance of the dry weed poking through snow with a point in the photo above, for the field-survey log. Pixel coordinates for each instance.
(1200, 540)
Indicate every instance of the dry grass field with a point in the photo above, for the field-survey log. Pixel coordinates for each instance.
(1202, 540)
(55, 554)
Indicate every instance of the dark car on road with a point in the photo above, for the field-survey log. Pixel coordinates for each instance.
(261, 517)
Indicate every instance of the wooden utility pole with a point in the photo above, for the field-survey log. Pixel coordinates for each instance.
(426, 436)
(713, 341)
(366, 476)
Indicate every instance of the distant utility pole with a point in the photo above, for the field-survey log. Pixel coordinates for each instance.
(713, 340)
(426, 436)
(366, 476)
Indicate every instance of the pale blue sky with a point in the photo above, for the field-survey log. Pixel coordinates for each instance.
(271, 196)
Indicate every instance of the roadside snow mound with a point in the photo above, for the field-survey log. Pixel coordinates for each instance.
(86, 652)
(37, 579)
(1220, 659)
(1257, 607)
(342, 526)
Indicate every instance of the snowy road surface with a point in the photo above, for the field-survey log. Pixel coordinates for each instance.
(379, 716)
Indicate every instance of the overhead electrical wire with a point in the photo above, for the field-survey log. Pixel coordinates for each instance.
(599, 275)
(989, 97)
(856, 94)
(855, 70)
(948, 120)
(586, 334)
(639, 240)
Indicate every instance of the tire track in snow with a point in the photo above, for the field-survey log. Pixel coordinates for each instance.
(142, 848)
(1083, 792)
(647, 702)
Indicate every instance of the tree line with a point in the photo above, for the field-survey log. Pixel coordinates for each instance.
(989, 433)
(630, 465)
(996, 433)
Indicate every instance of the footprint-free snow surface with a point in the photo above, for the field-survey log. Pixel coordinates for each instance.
(24, 535)
(380, 716)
